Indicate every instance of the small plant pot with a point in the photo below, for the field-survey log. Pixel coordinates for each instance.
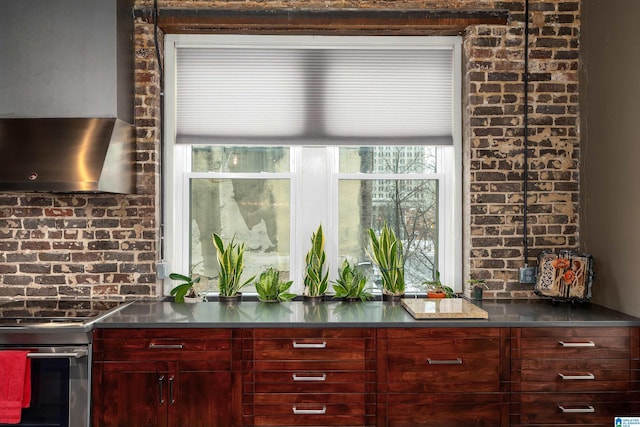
(436, 295)
(192, 299)
(317, 299)
(232, 299)
(476, 293)
(392, 298)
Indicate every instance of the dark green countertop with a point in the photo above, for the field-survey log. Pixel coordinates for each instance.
(252, 314)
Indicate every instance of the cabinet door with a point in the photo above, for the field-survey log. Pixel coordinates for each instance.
(203, 395)
(132, 394)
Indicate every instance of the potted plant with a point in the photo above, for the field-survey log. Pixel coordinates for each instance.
(316, 277)
(186, 290)
(271, 289)
(231, 265)
(435, 288)
(351, 283)
(476, 287)
(386, 253)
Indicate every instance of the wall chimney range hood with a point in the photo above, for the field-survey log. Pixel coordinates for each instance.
(67, 96)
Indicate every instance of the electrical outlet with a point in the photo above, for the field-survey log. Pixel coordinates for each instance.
(527, 275)
(162, 270)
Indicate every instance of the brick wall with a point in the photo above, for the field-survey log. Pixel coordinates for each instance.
(92, 245)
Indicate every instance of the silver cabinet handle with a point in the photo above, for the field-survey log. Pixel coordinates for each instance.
(321, 411)
(161, 388)
(456, 361)
(588, 376)
(297, 377)
(577, 344)
(166, 346)
(586, 410)
(171, 398)
(296, 344)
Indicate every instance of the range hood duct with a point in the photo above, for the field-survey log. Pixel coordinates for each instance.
(67, 96)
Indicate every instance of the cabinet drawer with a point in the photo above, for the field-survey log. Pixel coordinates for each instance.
(576, 343)
(310, 344)
(575, 375)
(441, 364)
(349, 411)
(448, 415)
(308, 377)
(162, 344)
(572, 408)
(309, 349)
(310, 365)
(309, 382)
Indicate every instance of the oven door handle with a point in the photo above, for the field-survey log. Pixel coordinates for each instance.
(77, 354)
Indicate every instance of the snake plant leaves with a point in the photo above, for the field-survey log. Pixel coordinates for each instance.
(386, 252)
(316, 278)
(231, 266)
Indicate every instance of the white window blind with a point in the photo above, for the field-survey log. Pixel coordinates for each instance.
(315, 90)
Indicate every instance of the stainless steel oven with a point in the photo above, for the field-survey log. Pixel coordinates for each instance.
(57, 334)
(59, 386)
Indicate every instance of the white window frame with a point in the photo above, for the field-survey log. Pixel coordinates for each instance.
(176, 175)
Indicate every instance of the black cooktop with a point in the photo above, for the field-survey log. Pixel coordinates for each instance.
(29, 311)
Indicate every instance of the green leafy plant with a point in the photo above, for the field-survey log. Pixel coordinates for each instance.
(476, 286)
(386, 253)
(482, 283)
(186, 288)
(316, 278)
(351, 283)
(271, 288)
(436, 286)
(231, 265)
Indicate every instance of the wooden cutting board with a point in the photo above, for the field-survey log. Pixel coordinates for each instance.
(443, 308)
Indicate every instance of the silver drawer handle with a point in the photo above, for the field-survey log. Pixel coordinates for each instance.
(588, 376)
(166, 346)
(309, 411)
(310, 378)
(457, 361)
(577, 344)
(296, 344)
(586, 410)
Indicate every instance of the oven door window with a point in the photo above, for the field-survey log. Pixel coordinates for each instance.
(49, 394)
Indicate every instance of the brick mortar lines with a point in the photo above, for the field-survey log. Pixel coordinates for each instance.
(493, 141)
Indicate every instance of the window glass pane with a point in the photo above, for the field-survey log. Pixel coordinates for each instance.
(409, 206)
(209, 158)
(256, 211)
(388, 159)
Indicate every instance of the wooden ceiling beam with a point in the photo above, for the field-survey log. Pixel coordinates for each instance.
(331, 21)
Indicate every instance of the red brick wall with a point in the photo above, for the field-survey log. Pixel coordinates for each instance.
(94, 245)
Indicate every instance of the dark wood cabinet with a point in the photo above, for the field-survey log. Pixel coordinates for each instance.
(384, 377)
(166, 377)
(442, 377)
(311, 377)
(572, 376)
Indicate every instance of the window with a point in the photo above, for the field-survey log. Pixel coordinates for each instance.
(269, 136)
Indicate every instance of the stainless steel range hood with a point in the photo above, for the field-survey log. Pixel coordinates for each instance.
(67, 96)
(66, 155)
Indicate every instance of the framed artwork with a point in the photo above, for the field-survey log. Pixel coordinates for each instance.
(564, 276)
